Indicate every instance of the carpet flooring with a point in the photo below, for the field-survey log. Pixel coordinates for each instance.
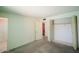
(43, 46)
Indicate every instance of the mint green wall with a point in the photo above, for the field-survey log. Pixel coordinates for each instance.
(20, 29)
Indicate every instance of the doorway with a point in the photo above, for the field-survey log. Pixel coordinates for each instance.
(43, 29)
(3, 34)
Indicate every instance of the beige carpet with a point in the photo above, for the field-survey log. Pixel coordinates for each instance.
(3, 46)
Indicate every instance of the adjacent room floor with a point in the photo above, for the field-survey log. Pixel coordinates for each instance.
(43, 46)
(3, 45)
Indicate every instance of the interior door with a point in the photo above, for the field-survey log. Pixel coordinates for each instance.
(38, 29)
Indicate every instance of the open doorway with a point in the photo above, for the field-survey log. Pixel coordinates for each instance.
(3, 34)
(44, 29)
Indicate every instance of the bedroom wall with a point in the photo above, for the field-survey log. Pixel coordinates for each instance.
(49, 29)
(21, 29)
(66, 15)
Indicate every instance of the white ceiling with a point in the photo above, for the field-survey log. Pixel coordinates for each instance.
(42, 11)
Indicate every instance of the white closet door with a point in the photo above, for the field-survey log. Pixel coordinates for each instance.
(62, 31)
(63, 34)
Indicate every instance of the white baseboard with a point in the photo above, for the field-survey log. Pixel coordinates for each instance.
(62, 42)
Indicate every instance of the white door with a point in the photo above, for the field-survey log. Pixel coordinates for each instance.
(62, 31)
(38, 29)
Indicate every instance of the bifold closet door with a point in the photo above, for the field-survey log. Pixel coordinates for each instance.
(62, 31)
